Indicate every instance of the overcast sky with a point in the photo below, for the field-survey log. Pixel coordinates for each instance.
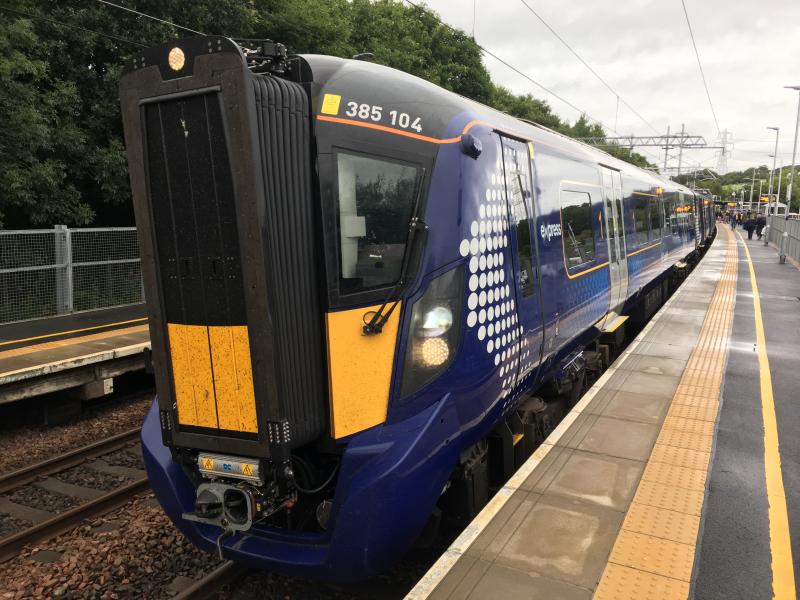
(642, 49)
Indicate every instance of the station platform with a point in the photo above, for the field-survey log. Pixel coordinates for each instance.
(677, 474)
(48, 355)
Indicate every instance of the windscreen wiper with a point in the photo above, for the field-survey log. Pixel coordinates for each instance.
(378, 318)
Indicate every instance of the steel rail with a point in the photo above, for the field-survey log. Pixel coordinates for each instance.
(208, 586)
(25, 475)
(11, 545)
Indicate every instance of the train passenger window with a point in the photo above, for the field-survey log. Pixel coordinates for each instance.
(576, 228)
(655, 220)
(375, 201)
(671, 213)
(640, 206)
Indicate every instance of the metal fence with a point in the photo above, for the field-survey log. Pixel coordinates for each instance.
(791, 243)
(45, 272)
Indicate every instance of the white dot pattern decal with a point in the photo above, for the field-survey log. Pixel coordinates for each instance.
(489, 301)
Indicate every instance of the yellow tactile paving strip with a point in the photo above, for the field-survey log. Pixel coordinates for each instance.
(654, 553)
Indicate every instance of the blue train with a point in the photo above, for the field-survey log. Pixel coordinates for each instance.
(356, 283)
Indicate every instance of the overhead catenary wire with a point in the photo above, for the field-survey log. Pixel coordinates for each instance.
(700, 65)
(136, 12)
(549, 91)
(608, 86)
(588, 66)
(512, 67)
(70, 26)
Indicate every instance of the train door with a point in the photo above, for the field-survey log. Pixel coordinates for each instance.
(528, 331)
(617, 257)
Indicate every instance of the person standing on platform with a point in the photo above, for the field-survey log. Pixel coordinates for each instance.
(761, 222)
(749, 226)
(733, 221)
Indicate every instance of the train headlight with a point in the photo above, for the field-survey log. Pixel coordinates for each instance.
(434, 331)
(433, 352)
(437, 321)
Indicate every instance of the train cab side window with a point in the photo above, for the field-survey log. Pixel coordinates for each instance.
(375, 201)
(576, 228)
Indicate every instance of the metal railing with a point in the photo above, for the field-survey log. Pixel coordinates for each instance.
(788, 245)
(46, 272)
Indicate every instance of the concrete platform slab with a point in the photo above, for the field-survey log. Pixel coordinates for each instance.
(604, 437)
(595, 479)
(579, 538)
(659, 348)
(655, 365)
(643, 383)
(499, 581)
(618, 404)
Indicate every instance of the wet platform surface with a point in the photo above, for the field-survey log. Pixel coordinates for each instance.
(637, 494)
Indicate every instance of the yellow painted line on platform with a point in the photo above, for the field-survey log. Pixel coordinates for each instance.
(655, 550)
(49, 335)
(783, 584)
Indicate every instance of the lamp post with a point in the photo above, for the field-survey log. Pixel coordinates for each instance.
(777, 131)
(794, 151)
(771, 179)
(752, 185)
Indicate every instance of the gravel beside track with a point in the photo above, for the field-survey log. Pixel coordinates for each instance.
(36, 497)
(26, 445)
(90, 478)
(133, 552)
(9, 525)
(127, 457)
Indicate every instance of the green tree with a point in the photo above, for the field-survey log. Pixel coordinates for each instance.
(524, 107)
(62, 157)
(39, 134)
(413, 40)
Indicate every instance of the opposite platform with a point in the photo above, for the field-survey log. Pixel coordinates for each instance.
(39, 357)
(612, 504)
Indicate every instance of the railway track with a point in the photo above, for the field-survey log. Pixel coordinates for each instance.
(72, 458)
(210, 585)
(63, 521)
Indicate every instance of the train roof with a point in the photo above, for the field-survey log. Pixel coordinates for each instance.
(439, 110)
(365, 82)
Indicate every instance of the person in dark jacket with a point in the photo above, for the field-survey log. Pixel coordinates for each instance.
(749, 226)
(761, 222)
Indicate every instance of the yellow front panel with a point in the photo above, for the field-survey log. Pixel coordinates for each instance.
(359, 370)
(191, 372)
(233, 378)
